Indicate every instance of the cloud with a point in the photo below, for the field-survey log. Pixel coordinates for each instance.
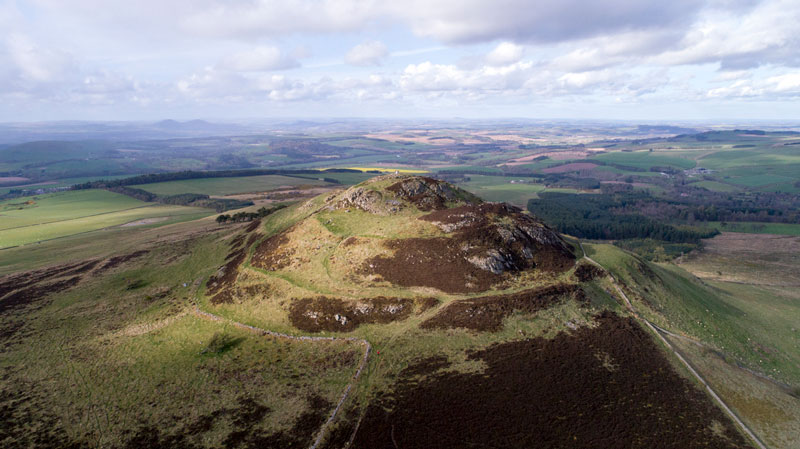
(786, 85)
(766, 34)
(546, 21)
(505, 53)
(367, 53)
(259, 59)
(249, 18)
(35, 63)
(429, 77)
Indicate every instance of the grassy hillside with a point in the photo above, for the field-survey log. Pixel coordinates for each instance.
(386, 261)
(227, 186)
(735, 319)
(101, 378)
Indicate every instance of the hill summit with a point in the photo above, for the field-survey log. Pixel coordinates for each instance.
(413, 231)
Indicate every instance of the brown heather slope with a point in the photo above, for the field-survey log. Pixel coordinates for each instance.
(484, 242)
(607, 386)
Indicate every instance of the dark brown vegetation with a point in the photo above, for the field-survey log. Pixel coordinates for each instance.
(30, 295)
(26, 423)
(607, 386)
(487, 240)
(333, 314)
(221, 285)
(119, 260)
(26, 279)
(272, 253)
(244, 422)
(586, 272)
(487, 313)
(434, 262)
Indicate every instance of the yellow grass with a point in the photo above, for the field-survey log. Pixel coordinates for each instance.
(387, 170)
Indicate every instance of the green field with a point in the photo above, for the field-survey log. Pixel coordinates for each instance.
(751, 157)
(64, 182)
(228, 186)
(756, 228)
(344, 178)
(645, 159)
(759, 180)
(499, 188)
(62, 206)
(35, 219)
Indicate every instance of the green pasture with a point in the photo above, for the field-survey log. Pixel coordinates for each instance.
(52, 230)
(756, 227)
(62, 206)
(751, 157)
(645, 159)
(228, 186)
(345, 179)
(499, 188)
(759, 180)
(45, 217)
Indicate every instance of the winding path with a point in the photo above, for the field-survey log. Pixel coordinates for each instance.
(661, 332)
(367, 348)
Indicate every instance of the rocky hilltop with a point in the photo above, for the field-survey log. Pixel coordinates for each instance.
(444, 237)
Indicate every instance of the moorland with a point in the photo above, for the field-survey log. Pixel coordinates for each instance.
(366, 286)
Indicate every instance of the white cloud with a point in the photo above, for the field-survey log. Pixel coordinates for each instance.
(259, 59)
(249, 18)
(786, 85)
(35, 63)
(367, 53)
(103, 51)
(767, 34)
(505, 53)
(428, 76)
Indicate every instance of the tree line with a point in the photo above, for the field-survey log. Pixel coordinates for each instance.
(239, 217)
(193, 174)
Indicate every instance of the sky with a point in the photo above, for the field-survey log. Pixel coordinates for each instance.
(237, 59)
